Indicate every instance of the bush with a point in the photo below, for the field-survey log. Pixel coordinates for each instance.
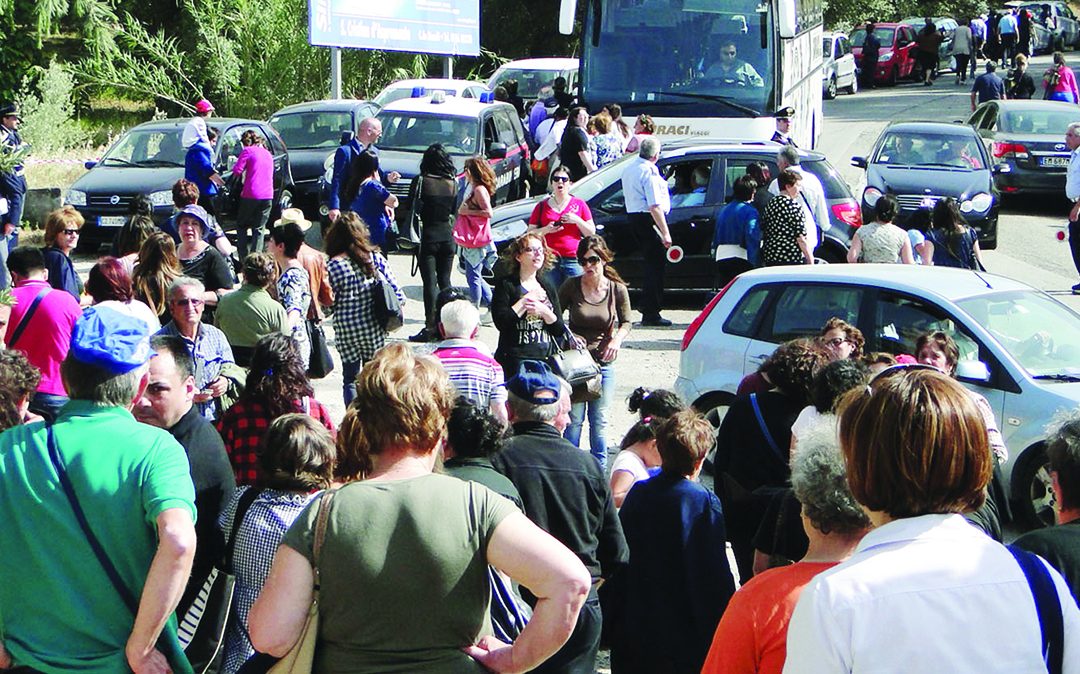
(49, 114)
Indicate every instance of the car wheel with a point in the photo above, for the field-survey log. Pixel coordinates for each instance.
(854, 88)
(830, 90)
(714, 408)
(1032, 493)
(284, 202)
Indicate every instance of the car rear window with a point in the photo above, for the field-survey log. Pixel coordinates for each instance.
(835, 187)
(1052, 122)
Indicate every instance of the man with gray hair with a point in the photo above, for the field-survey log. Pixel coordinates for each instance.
(1060, 545)
(473, 372)
(647, 206)
(811, 195)
(208, 345)
(98, 512)
(1072, 193)
(565, 494)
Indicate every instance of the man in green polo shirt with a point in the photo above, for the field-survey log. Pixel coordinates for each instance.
(59, 611)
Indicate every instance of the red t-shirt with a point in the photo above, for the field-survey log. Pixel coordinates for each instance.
(565, 240)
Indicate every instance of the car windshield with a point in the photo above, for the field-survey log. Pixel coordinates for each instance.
(414, 133)
(1051, 122)
(529, 81)
(1042, 334)
(312, 130)
(911, 148)
(884, 35)
(147, 148)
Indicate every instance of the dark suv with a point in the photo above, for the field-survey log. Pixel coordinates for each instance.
(147, 160)
(692, 219)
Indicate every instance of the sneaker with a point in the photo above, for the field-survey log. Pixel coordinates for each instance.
(1076, 289)
(656, 321)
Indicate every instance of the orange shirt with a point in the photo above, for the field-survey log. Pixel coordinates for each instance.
(322, 294)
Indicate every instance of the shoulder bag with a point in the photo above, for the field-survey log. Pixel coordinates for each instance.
(385, 304)
(25, 320)
(1047, 606)
(320, 362)
(168, 643)
(613, 326)
(471, 231)
(576, 365)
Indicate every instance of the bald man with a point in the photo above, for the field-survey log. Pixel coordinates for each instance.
(366, 135)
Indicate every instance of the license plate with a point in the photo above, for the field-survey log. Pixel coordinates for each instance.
(111, 221)
(1054, 162)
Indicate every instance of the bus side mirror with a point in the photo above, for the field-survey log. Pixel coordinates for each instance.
(567, 9)
(785, 18)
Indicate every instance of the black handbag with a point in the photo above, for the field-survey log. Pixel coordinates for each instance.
(320, 362)
(385, 304)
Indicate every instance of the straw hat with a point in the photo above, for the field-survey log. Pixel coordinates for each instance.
(293, 215)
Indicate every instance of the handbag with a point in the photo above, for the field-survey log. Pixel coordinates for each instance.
(385, 304)
(471, 231)
(577, 366)
(320, 362)
(613, 326)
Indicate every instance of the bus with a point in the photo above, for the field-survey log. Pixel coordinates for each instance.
(718, 68)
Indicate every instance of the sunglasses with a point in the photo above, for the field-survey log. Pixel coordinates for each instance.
(560, 179)
(71, 232)
(193, 301)
(591, 260)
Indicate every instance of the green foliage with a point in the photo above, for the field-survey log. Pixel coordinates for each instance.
(49, 113)
(844, 14)
(9, 159)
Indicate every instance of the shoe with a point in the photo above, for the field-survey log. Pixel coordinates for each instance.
(1076, 289)
(486, 320)
(424, 335)
(656, 321)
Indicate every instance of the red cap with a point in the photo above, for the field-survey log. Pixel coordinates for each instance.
(204, 106)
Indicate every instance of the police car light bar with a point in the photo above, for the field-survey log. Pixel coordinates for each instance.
(418, 92)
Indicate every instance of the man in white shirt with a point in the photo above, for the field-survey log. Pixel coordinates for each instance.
(647, 205)
(1072, 193)
(811, 195)
(549, 133)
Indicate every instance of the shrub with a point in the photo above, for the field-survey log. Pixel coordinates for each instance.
(49, 113)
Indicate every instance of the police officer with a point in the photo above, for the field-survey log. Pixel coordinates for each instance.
(783, 126)
(12, 187)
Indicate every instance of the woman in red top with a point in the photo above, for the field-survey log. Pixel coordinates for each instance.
(563, 220)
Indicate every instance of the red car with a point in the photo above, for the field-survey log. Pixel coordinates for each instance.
(896, 58)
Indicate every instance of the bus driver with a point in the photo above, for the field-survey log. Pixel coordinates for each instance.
(732, 71)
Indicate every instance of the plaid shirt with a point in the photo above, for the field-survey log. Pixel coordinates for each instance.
(243, 427)
(356, 334)
(210, 350)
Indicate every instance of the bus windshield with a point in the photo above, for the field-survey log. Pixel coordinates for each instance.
(691, 58)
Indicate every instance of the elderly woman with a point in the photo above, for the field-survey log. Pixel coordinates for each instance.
(751, 637)
(525, 306)
(251, 312)
(276, 385)
(414, 598)
(783, 225)
(842, 339)
(61, 237)
(200, 260)
(297, 462)
(959, 601)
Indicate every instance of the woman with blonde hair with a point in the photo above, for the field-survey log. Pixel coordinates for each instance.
(472, 227)
(414, 598)
(157, 268)
(61, 237)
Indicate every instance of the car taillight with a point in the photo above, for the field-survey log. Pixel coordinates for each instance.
(1006, 149)
(695, 325)
(848, 211)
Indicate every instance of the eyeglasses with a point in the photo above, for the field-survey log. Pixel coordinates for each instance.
(533, 250)
(185, 301)
(591, 260)
(71, 232)
(836, 341)
(560, 179)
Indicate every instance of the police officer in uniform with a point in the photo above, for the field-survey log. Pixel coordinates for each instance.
(12, 187)
(783, 126)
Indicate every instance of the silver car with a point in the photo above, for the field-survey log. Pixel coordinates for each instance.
(1019, 347)
(838, 70)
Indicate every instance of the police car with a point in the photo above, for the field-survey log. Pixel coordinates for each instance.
(466, 128)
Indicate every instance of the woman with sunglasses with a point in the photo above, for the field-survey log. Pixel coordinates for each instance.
(958, 601)
(563, 220)
(525, 306)
(599, 306)
(61, 237)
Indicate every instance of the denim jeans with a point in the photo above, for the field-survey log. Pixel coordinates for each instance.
(596, 410)
(349, 370)
(473, 261)
(565, 268)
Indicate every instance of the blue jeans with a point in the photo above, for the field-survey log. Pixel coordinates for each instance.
(597, 414)
(349, 370)
(565, 268)
(472, 259)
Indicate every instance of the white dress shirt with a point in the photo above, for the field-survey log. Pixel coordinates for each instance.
(812, 200)
(1072, 176)
(925, 595)
(644, 187)
(551, 134)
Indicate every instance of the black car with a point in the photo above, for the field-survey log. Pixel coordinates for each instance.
(1029, 137)
(692, 219)
(312, 131)
(921, 163)
(147, 160)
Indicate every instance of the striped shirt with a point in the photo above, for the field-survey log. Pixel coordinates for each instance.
(473, 373)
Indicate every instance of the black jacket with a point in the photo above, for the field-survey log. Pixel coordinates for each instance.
(522, 338)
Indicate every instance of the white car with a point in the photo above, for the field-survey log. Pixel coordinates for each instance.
(838, 70)
(1019, 347)
(533, 74)
(406, 88)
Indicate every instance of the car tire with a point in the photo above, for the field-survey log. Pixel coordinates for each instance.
(854, 88)
(830, 89)
(1033, 498)
(284, 202)
(713, 407)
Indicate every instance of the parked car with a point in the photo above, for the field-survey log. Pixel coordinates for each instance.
(921, 163)
(1029, 137)
(147, 160)
(947, 27)
(838, 71)
(1000, 325)
(1059, 19)
(532, 74)
(896, 59)
(693, 212)
(405, 89)
(312, 131)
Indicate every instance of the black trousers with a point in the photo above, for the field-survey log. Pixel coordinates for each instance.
(654, 260)
(578, 654)
(436, 261)
(1074, 243)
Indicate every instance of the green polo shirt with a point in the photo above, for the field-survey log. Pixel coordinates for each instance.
(248, 314)
(58, 610)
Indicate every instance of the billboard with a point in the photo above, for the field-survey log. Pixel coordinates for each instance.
(427, 26)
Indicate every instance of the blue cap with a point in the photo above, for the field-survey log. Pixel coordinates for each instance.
(111, 340)
(194, 211)
(535, 383)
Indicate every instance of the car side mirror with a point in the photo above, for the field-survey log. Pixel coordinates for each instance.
(496, 150)
(90, 164)
(998, 169)
(859, 162)
(975, 370)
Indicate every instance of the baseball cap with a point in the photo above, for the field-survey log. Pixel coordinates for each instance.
(204, 106)
(111, 340)
(535, 383)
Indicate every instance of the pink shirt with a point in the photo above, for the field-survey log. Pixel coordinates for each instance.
(259, 181)
(565, 240)
(47, 337)
(1067, 83)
